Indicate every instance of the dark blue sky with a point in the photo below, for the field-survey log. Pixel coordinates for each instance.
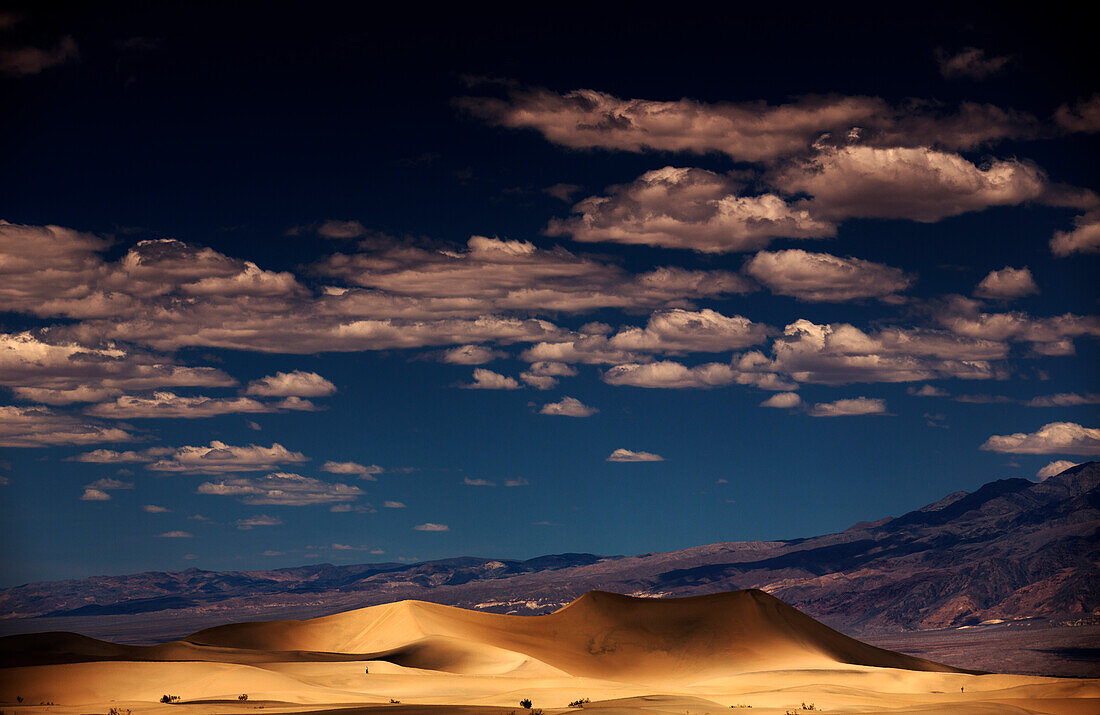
(252, 227)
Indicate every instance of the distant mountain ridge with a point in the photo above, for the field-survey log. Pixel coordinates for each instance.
(1011, 549)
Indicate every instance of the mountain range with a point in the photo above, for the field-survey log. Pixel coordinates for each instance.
(1012, 549)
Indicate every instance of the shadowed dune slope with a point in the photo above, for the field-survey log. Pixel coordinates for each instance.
(601, 635)
(59, 647)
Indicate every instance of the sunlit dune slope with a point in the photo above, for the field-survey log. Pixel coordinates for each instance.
(601, 635)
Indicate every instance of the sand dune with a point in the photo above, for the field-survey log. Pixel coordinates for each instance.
(697, 654)
(600, 635)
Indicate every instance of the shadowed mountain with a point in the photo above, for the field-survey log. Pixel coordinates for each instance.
(1011, 549)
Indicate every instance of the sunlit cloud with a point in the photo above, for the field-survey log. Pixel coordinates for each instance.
(260, 520)
(849, 408)
(167, 404)
(363, 471)
(281, 488)
(783, 400)
(1054, 469)
(221, 457)
(297, 383)
(568, 407)
(489, 380)
(41, 427)
(1007, 283)
(1052, 438)
(626, 455)
(822, 277)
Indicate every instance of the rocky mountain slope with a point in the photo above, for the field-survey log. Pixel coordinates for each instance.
(1012, 549)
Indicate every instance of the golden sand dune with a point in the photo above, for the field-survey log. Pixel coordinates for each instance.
(698, 654)
(600, 635)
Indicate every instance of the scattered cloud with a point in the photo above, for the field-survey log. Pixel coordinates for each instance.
(928, 391)
(1082, 116)
(626, 455)
(919, 184)
(688, 208)
(95, 495)
(494, 276)
(1007, 284)
(108, 456)
(176, 535)
(297, 383)
(822, 277)
(108, 483)
(518, 482)
(568, 407)
(836, 354)
(784, 400)
(393, 504)
(669, 374)
(168, 404)
(429, 526)
(472, 355)
(260, 520)
(154, 509)
(680, 331)
(744, 131)
(544, 374)
(849, 408)
(1048, 336)
(1054, 469)
(488, 380)
(61, 372)
(41, 427)
(1084, 238)
(282, 489)
(27, 61)
(1064, 399)
(1052, 438)
(969, 63)
(478, 482)
(341, 229)
(221, 457)
(562, 192)
(363, 471)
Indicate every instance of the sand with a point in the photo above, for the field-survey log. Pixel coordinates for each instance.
(688, 655)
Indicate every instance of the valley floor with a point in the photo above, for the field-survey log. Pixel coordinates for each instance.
(345, 688)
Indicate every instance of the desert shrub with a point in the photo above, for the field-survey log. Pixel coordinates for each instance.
(242, 697)
(118, 711)
(395, 702)
(579, 703)
(169, 698)
(525, 703)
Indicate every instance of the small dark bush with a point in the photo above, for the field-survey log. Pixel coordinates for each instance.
(169, 698)
(242, 697)
(579, 703)
(525, 703)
